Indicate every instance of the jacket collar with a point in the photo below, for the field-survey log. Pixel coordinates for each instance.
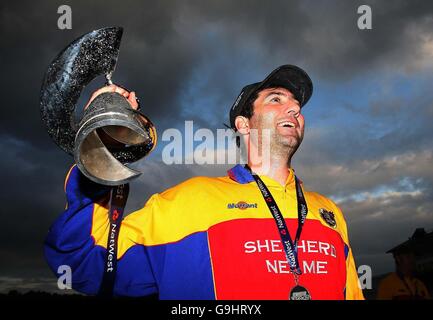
(241, 175)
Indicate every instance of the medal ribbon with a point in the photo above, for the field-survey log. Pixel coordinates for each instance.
(118, 198)
(290, 247)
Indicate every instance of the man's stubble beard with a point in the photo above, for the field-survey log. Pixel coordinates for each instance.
(281, 148)
(284, 147)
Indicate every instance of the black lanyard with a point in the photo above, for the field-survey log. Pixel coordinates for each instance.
(118, 198)
(290, 247)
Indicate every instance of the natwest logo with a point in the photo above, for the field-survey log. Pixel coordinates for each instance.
(242, 205)
(115, 215)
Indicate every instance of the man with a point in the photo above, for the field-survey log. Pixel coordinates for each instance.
(254, 234)
(401, 284)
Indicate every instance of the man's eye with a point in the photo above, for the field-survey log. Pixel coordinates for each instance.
(275, 99)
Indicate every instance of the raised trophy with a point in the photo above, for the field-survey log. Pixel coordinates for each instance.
(109, 133)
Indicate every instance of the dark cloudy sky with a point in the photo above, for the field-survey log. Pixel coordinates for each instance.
(368, 142)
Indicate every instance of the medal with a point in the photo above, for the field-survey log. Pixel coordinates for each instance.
(299, 293)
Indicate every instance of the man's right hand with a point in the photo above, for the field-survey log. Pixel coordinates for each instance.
(130, 96)
(120, 131)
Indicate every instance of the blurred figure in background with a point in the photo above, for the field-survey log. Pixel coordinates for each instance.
(401, 284)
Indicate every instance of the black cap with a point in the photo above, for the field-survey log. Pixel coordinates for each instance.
(403, 249)
(286, 76)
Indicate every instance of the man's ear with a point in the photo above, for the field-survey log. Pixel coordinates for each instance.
(242, 124)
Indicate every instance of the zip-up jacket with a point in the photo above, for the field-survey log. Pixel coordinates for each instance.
(206, 238)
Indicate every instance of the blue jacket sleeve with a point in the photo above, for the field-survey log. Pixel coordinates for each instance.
(74, 240)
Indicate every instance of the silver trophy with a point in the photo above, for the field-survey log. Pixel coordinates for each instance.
(110, 133)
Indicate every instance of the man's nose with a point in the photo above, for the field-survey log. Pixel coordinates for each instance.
(292, 107)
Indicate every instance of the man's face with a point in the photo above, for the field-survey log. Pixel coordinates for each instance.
(406, 263)
(277, 109)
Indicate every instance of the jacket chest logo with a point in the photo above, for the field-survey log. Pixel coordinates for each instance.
(328, 217)
(242, 205)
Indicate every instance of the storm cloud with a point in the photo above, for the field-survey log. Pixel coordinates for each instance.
(368, 142)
